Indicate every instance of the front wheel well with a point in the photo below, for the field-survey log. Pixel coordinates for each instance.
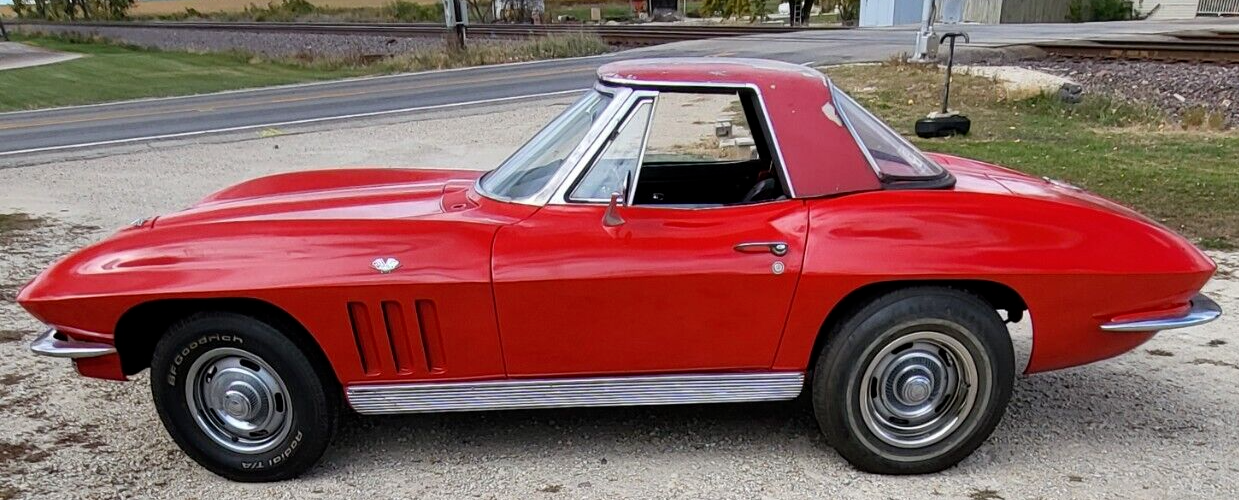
(141, 327)
(999, 296)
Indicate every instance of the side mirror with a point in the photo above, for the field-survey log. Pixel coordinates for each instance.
(611, 218)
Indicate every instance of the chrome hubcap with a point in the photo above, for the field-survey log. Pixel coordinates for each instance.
(238, 400)
(918, 389)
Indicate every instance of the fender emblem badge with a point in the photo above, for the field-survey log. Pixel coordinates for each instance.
(385, 266)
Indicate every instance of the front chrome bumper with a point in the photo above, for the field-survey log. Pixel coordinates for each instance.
(54, 344)
(1202, 310)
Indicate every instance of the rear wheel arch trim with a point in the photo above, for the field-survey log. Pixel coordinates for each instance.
(141, 326)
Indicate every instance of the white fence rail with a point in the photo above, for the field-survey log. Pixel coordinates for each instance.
(1218, 8)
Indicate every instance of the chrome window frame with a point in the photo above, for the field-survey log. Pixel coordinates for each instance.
(632, 97)
(639, 98)
(620, 96)
(873, 163)
(640, 89)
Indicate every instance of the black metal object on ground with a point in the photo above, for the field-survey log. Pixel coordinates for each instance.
(945, 122)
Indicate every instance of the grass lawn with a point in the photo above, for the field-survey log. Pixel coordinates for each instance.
(113, 72)
(1186, 179)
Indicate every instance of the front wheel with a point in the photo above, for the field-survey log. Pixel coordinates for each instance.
(241, 398)
(915, 381)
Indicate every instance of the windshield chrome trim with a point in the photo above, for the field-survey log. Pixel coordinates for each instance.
(761, 104)
(619, 95)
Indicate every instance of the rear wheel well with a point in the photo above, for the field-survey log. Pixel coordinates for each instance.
(999, 296)
(141, 327)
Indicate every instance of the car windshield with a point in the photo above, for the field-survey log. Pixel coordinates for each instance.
(891, 155)
(528, 170)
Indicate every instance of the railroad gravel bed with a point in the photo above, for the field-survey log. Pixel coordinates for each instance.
(264, 44)
(1171, 87)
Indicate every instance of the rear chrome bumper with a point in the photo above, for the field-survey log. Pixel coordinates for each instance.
(57, 345)
(1202, 310)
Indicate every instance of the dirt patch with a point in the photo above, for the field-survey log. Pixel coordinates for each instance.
(12, 223)
(8, 379)
(1159, 352)
(27, 453)
(10, 336)
(1214, 362)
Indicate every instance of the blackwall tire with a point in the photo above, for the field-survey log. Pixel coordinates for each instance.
(914, 381)
(241, 398)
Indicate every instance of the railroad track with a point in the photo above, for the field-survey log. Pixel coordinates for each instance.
(1195, 46)
(625, 34)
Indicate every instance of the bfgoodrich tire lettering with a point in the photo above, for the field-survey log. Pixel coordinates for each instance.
(913, 382)
(241, 398)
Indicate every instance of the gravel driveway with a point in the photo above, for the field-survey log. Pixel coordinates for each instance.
(1160, 422)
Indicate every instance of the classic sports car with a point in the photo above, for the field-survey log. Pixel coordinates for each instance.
(688, 231)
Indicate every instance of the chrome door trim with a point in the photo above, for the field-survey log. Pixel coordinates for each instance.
(761, 104)
(434, 397)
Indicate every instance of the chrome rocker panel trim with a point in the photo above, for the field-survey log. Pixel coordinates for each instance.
(51, 343)
(1203, 310)
(433, 397)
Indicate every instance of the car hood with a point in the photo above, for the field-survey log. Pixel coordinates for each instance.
(367, 193)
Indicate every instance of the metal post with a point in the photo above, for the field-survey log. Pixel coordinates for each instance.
(926, 43)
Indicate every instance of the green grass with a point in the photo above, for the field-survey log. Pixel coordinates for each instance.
(1187, 179)
(111, 72)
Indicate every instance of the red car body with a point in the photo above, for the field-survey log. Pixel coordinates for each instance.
(495, 290)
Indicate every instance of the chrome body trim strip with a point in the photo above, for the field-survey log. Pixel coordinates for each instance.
(54, 344)
(433, 397)
(1203, 310)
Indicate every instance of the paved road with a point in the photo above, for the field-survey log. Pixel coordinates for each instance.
(92, 126)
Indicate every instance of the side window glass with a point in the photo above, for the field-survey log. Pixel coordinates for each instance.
(618, 159)
(699, 128)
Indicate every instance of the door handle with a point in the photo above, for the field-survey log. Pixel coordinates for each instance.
(777, 248)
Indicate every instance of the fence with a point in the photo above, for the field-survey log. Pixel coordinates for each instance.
(1218, 8)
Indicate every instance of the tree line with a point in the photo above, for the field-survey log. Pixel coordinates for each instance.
(72, 10)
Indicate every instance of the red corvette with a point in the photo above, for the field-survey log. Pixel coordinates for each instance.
(688, 231)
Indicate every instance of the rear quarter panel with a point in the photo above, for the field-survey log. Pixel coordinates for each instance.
(1075, 265)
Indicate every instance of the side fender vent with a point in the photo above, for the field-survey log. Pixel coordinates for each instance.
(396, 339)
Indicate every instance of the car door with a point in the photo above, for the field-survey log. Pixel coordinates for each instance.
(670, 289)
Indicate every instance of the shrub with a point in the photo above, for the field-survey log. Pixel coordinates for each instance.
(1081, 11)
(405, 11)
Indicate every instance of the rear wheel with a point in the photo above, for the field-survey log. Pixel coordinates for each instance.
(914, 381)
(241, 398)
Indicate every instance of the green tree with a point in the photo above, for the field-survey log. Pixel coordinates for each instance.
(738, 9)
(71, 10)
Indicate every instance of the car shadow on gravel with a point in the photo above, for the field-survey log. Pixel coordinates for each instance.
(1100, 405)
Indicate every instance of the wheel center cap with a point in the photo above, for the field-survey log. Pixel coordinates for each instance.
(236, 404)
(916, 389)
